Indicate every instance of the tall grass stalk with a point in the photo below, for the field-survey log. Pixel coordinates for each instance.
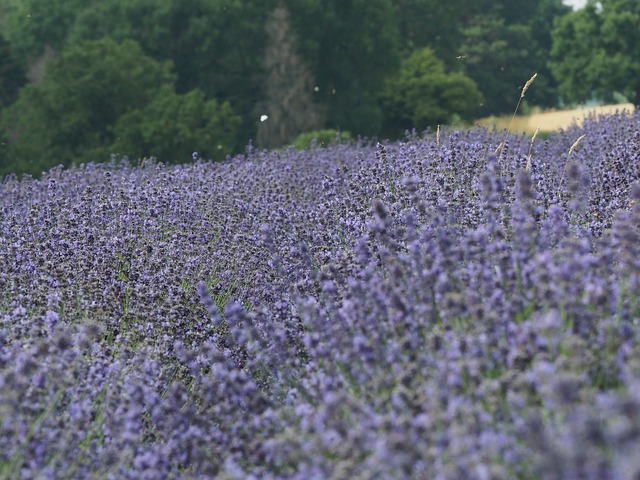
(535, 134)
(524, 89)
(566, 162)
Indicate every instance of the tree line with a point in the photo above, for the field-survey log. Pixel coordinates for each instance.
(85, 80)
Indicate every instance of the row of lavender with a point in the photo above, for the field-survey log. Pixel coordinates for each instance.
(437, 308)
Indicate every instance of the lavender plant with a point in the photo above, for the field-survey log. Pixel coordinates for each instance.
(421, 309)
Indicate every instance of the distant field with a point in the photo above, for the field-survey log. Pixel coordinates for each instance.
(552, 120)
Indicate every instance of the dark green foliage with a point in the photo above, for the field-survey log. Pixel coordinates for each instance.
(351, 47)
(12, 74)
(545, 93)
(499, 44)
(72, 115)
(528, 34)
(496, 56)
(173, 126)
(69, 117)
(502, 46)
(596, 50)
(431, 23)
(215, 45)
(218, 47)
(30, 25)
(422, 94)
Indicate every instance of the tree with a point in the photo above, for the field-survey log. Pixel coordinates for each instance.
(422, 94)
(32, 25)
(351, 46)
(289, 107)
(596, 49)
(545, 93)
(499, 44)
(215, 45)
(496, 56)
(12, 75)
(69, 117)
(431, 23)
(173, 126)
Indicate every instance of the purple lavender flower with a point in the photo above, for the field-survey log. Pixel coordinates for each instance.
(417, 309)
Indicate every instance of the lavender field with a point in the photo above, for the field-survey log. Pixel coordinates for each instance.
(438, 308)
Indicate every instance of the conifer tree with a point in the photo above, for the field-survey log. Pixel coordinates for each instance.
(289, 108)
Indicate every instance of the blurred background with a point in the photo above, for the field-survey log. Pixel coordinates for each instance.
(84, 81)
(575, 4)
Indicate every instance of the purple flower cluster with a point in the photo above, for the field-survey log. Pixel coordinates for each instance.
(433, 308)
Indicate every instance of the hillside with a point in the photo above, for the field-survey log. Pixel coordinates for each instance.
(430, 308)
